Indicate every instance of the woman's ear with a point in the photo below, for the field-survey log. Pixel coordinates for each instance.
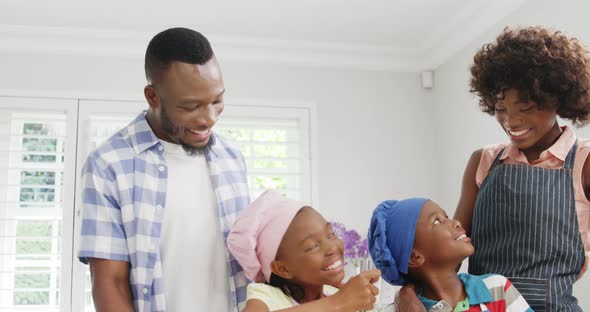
(279, 268)
(416, 259)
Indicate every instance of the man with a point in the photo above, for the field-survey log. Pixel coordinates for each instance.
(161, 194)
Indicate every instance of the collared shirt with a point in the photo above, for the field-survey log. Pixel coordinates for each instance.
(552, 158)
(491, 292)
(124, 197)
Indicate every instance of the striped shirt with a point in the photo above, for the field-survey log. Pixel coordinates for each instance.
(493, 293)
(124, 195)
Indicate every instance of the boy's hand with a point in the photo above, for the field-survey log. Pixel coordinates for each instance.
(359, 292)
(406, 300)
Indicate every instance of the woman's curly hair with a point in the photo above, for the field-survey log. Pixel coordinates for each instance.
(545, 66)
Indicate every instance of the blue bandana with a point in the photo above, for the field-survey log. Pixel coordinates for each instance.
(391, 237)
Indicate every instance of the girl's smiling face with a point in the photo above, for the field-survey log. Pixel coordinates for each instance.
(310, 253)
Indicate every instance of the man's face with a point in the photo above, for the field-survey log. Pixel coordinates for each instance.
(186, 103)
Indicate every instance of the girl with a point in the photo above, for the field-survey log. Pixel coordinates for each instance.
(525, 204)
(291, 253)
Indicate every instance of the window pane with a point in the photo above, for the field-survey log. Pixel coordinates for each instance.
(31, 297)
(270, 135)
(28, 194)
(279, 151)
(38, 177)
(39, 145)
(31, 170)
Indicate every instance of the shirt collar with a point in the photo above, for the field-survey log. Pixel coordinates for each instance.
(141, 135)
(476, 289)
(559, 149)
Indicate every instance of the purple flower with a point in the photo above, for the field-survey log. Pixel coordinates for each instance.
(354, 248)
(351, 243)
(364, 249)
(338, 229)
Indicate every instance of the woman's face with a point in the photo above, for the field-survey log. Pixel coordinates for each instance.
(527, 124)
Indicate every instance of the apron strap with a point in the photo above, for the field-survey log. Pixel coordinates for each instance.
(497, 160)
(570, 158)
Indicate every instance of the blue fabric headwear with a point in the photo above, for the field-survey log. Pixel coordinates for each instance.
(391, 237)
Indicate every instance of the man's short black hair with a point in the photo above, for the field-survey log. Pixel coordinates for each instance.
(175, 45)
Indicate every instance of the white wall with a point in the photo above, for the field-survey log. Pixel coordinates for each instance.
(370, 145)
(462, 128)
(375, 133)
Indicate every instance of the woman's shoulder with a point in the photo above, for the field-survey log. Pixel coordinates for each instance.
(486, 156)
(583, 143)
(493, 149)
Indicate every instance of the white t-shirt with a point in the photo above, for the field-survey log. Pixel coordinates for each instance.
(192, 246)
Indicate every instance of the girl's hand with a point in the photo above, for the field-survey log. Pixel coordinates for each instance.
(359, 292)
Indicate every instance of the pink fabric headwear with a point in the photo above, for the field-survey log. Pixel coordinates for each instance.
(255, 237)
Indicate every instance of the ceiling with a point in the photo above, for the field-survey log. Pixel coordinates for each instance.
(388, 35)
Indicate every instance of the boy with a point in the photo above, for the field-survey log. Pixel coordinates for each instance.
(413, 241)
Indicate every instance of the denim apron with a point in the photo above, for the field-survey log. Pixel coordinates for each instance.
(525, 227)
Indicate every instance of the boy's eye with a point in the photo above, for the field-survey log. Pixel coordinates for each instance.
(436, 222)
(527, 109)
(331, 235)
(499, 109)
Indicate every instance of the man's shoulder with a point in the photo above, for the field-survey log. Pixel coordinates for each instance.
(116, 148)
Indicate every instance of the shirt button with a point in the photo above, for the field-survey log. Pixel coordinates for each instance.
(161, 168)
(161, 147)
(438, 305)
(145, 291)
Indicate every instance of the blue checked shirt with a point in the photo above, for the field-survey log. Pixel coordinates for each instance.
(123, 195)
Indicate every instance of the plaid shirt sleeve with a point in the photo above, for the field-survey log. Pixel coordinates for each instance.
(102, 233)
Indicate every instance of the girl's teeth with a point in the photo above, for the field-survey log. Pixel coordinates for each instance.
(463, 236)
(334, 265)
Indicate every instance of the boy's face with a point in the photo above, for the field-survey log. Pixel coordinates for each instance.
(440, 240)
(310, 253)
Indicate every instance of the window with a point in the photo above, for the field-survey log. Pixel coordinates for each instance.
(33, 155)
(43, 144)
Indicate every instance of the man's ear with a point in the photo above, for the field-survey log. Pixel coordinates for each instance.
(151, 97)
(416, 259)
(279, 268)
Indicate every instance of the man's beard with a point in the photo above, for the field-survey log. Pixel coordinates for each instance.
(173, 133)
